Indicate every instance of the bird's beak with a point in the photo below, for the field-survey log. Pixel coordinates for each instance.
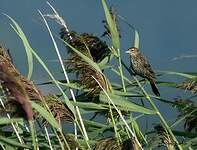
(127, 51)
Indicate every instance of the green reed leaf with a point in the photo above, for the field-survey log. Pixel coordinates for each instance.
(26, 44)
(112, 27)
(45, 114)
(126, 105)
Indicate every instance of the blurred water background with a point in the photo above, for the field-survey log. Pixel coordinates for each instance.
(168, 30)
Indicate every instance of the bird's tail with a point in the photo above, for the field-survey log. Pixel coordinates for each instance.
(154, 87)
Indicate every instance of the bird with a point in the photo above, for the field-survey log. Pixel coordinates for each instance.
(141, 67)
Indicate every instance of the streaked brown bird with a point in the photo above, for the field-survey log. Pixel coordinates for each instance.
(141, 67)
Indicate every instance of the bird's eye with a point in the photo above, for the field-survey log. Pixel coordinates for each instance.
(132, 49)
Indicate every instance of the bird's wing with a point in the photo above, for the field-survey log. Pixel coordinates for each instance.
(149, 71)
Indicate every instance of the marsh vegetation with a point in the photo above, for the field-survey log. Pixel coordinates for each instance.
(100, 112)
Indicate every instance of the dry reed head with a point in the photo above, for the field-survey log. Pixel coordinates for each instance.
(111, 144)
(10, 81)
(187, 108)
(72, 142)
(130, 144)
(93, 48)
(19, 92)
(164, 137)
(88, 44)
(107, 144)
(190, 85)
(58, 109)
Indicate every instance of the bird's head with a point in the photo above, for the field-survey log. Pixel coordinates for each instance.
(133, 51)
